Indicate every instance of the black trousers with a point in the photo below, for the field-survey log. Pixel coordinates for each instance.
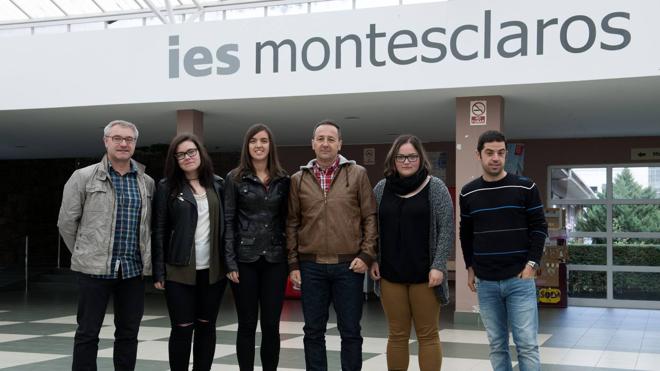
(193, 310)
(262, 285)
(128, 302)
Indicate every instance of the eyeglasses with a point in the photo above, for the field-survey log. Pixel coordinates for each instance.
(411, 158)
(191, 153)
(117, 139)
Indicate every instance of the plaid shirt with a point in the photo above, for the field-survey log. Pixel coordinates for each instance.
(326, 176)
(126, 250)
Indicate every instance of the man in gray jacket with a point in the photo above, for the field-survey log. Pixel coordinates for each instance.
(105, 221)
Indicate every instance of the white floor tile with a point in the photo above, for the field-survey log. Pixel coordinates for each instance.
(451, 364)
(370, 345)
(448, 364)
(286, 327)
(648, 361)
(147, 350)
(581, 357)
(552, 355)
(375, 363)
(477, 337)
(157, 351)
(11, 359)
(146, 333)
(222, 367)
(542, 338)
(293, 343)
(108, 320)
(463, 336)
(4, 338)
(622, 360)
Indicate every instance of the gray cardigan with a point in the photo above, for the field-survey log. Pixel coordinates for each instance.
(441, 233)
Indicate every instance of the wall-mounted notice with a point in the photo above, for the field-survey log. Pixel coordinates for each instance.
(478, 112)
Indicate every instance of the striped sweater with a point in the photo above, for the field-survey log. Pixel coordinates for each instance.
(502, 226)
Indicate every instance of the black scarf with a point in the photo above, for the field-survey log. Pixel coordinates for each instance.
(403, 186)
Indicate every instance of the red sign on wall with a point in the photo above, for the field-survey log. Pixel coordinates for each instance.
(478, 112)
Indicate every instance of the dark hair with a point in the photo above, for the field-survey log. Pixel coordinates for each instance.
(490, 136)
(173, 173)
(327, 122)
(245, 164)
(390, 165)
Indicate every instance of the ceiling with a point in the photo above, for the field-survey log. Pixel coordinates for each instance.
(609, 108)
(21, 10)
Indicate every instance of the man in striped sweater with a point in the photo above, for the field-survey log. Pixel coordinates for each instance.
(503, 231)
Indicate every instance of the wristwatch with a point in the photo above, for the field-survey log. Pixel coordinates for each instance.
(532, 264)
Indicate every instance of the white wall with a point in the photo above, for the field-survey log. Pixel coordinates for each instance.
(132, 65)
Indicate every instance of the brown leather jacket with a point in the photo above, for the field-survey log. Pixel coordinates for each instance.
(332, 228)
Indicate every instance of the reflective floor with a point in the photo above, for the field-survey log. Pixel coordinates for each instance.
(36, 333)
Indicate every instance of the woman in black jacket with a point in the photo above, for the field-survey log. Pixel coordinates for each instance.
(187, 250)
(255, 245)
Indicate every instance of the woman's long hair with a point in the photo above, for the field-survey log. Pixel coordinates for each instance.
(173, 173)
(245, 164)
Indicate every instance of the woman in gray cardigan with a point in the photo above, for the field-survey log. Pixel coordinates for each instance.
(416, 226)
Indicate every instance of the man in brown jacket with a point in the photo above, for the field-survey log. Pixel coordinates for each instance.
(331, 238)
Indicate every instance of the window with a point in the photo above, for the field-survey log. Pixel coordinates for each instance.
(613, 230)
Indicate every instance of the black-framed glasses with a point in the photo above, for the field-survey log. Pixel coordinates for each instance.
(411, 158)
(117, 139)
(189, 153)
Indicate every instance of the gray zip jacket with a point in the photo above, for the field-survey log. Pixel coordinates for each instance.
(88, 215)
(441, 234)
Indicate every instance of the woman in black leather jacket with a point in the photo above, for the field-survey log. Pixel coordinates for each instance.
(255, 245)
(187, 250)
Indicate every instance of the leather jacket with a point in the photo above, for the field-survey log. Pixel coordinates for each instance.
(255, 217)
(174, 224)
(335, 226)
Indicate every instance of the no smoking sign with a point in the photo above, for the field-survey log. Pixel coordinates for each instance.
(478, 112)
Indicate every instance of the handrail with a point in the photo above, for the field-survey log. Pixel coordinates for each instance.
(27, 250)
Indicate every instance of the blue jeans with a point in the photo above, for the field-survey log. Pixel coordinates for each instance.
(322, 284)
(510, 302)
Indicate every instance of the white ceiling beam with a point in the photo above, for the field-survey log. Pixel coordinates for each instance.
(156, 11)
(98, 6)
(21, 9)
(59, 7)
(168, 5)
(200, 11)
(146, 11)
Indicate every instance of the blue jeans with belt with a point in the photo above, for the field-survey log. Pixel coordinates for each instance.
(511, 302)
(321, 285)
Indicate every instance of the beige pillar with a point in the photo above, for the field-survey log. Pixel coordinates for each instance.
(190, 121)
(470, 123)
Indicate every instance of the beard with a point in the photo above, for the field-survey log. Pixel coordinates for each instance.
(493, 173)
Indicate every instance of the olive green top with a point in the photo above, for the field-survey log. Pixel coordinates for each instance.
(187, 274)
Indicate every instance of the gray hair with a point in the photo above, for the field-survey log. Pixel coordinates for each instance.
(122, 123)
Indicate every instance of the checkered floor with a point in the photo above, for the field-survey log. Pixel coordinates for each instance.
(36, 333)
